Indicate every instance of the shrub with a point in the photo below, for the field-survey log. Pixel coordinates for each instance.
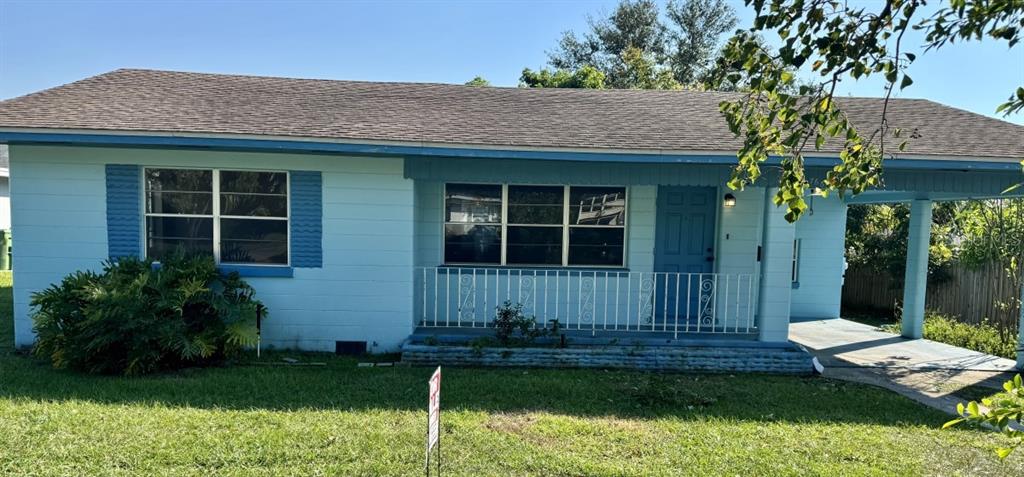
(510, 321)
(983, 337)
(136, 318)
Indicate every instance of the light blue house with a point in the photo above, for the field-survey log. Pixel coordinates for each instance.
(364, 213)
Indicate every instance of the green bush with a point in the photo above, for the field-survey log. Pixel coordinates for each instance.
(983, 337)
(511, 321)
(137, 318)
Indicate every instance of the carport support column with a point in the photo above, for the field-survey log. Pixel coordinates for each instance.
(776, 285)
(916, 279)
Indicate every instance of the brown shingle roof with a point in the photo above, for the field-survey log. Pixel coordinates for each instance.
(175, 102)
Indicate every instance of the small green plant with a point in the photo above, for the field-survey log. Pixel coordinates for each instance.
(513, 327)
(477, 345)
(1004, 413)
(430, 340)
(982, 337)
(134, 318)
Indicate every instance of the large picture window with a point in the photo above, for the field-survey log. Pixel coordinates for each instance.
(239, 217)
(492, 224)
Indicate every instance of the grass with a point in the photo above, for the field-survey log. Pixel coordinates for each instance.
(342, 420)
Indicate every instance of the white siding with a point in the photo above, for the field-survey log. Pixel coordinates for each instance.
(822, 235)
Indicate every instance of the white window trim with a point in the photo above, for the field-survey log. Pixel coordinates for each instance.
(565, 226)
(215, 215)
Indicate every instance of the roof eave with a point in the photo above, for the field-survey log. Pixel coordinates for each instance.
(312, 145)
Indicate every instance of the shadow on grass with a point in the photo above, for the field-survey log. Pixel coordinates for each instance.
(340, 385)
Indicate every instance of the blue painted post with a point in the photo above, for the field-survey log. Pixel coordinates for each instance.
(916, 278)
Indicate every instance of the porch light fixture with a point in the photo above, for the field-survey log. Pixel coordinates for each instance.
(729, 200)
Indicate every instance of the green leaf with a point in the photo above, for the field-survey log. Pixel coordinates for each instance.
(954, 422)
(1003, 452)
(906, 81)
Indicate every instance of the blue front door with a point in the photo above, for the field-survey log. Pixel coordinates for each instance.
(686, 230)
(684, 244)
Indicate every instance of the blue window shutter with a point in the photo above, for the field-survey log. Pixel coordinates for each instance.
(124, 214)
(307, 219)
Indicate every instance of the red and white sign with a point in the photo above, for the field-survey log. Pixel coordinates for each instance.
(434, 411)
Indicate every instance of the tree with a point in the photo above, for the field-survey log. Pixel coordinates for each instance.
(478, 81)
(876, 239)
(695, 40)
(839, 40)
(634, 48)
(640, 70)
(993, 232)
(584, 77)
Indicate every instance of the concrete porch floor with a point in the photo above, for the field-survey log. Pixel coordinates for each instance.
(925, 371)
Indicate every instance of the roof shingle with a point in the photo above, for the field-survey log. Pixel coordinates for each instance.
(177, 102)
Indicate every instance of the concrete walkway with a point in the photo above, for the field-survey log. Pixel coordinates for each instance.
(925, 371)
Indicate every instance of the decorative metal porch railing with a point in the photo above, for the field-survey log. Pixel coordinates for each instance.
(598, 301)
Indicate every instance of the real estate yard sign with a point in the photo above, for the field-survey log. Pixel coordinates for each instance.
(434, 419)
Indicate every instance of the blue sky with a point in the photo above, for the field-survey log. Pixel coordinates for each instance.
(47, 43)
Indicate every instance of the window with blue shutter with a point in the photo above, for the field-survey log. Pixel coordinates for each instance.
(124, 217)
(242, 218)
(307, 219)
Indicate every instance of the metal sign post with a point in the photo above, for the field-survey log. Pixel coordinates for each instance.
(434, 419)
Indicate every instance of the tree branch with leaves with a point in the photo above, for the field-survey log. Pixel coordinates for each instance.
(838, 41)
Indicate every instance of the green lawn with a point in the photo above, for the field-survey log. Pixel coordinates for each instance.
(341, 420)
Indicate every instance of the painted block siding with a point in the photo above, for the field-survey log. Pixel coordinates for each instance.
(822, 235)
(785, 359)
(381, 217)
(362, 292)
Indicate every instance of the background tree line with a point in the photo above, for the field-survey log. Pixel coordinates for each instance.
(638, 46)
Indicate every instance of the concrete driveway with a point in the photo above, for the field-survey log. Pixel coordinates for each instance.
(925, 371)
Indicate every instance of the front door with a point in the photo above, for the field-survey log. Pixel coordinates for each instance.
(684, 244)
(686, 230)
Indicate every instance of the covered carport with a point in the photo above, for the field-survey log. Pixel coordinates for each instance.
(921, 183)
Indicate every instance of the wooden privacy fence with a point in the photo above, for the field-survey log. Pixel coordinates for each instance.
(971, 295)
